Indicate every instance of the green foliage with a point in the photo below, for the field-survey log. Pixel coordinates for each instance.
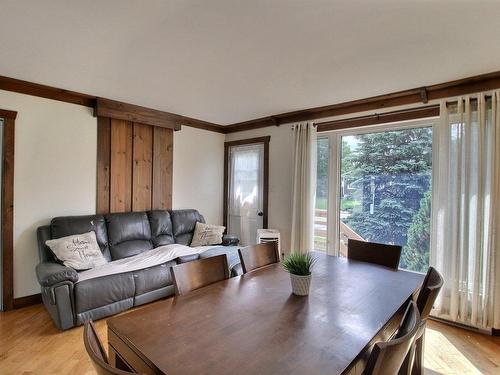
(299, 263)
(321, 203)
(349, 204)
(415, 254)
(391, 172)
(322, 169)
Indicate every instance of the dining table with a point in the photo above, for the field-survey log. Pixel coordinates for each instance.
(253, 324)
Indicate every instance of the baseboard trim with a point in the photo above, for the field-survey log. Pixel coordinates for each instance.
(463, 326)
(27, 301)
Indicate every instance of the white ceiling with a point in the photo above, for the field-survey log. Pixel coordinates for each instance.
(227, 61)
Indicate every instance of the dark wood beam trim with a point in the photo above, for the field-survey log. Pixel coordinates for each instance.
(265, 198)
(247, 141)
(8, 114)
(464, 86)
(48, 92)
(8, 213)
(73, 97)
(21, 302)
(206, 126)
(134, 113)
(383, 118)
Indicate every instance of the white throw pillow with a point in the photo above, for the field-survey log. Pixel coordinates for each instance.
(206, 234)
(80, 251)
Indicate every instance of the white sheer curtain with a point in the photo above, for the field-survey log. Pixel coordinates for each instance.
(304, 187)
(465, 233)
(245, 199)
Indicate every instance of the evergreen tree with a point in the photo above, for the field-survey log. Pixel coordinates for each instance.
(392, 170)
(416, 252)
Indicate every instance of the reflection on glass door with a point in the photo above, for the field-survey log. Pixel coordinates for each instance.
(321, 209)
(385, 191)
(246, 187)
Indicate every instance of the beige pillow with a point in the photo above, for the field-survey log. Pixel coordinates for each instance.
(206, 234)
(80, 251)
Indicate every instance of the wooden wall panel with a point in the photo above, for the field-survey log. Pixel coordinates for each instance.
(142, 167)
(8, 212)
(163, 144)
(134, 166)
(121, 166)
(103, 164)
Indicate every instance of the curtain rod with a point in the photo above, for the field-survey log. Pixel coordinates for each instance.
(454, 102)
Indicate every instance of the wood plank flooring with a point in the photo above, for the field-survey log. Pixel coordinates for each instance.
(30, 344)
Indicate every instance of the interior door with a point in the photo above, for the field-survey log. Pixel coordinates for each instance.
(246, 192)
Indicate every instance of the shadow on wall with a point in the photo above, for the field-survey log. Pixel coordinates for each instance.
(25, 260)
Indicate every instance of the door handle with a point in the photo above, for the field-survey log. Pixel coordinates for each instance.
(260, 213)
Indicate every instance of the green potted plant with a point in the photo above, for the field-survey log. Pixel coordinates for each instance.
(299, 265)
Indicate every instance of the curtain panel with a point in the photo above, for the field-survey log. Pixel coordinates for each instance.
(466, 215)
(303, 187)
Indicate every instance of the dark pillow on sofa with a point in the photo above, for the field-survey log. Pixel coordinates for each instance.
(129, 234)
(183, 224)
(161, 228)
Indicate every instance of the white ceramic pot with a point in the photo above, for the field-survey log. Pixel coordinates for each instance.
(300, 284)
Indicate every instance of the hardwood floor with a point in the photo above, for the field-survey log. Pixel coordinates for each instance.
(30, 344)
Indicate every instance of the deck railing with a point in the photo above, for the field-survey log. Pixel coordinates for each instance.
(320, 232)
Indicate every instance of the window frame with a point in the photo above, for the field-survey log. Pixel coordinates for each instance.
(334, 170)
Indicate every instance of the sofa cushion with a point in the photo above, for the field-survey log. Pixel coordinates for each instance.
(183, 224)
(70, 225)
(233, 259)
(129, 234)
(153, 278)
(161, 228)
(102, 291)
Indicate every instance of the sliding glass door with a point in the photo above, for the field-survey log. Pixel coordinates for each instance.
(379, 190)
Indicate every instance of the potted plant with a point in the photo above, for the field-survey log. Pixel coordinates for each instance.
(299, 265)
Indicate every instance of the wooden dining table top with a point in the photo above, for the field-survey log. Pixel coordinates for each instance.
(253, 324)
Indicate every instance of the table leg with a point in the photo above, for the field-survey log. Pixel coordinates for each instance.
(116, 361)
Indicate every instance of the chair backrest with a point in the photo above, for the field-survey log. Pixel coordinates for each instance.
(199, 273)
(256, 256)
(377, 253)
(96, 352)
(429, 291)
(386, 358)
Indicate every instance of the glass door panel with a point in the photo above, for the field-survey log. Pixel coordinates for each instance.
(385, 191)
(321, 209)
(246, 187)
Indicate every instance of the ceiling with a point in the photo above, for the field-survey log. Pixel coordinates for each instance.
(227, 61)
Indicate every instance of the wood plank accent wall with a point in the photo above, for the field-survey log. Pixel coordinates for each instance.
(134, 166)
(142, 179)
(163, 156)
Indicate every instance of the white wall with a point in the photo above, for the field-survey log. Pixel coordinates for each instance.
(54, 173)
(280, 177)
(199, 172)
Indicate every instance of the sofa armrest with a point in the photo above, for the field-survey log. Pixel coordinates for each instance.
(187, 258)
(51, 273)
(230, 240)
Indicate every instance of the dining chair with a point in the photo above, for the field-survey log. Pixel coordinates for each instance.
(431, 286)
(377, 253)
(387, 357)
(199, 273)
(97, 353)
(257, 256)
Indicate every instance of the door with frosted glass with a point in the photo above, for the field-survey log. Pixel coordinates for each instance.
(246, 192)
